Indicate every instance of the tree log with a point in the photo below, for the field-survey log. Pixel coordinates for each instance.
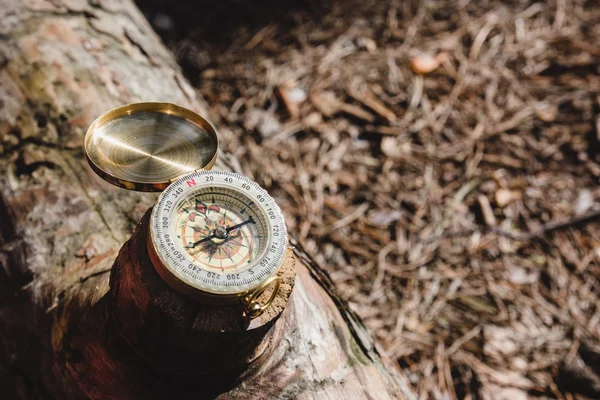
(63, 63)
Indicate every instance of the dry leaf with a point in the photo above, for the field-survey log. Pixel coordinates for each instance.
(426, 63)
(506, 196)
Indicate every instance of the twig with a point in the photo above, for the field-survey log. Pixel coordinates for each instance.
(353, 216)
(523, 236)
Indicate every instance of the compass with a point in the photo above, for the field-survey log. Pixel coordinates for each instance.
(214, 236)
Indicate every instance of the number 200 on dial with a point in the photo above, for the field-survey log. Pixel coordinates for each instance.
(217, 234)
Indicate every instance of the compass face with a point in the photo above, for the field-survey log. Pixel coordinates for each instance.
(217, 233)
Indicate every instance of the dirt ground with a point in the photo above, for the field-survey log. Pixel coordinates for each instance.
(441, 161)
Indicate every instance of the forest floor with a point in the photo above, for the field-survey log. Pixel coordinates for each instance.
(441, 160)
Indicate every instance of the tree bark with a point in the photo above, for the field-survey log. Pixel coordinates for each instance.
(63, 63)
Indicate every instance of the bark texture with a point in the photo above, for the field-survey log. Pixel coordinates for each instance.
(62, 63)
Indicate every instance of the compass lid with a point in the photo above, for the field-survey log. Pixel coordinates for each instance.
(145, 146)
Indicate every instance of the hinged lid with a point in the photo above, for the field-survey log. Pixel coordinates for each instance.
(145, 146)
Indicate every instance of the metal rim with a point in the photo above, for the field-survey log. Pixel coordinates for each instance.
(167, 109)
(161, 262)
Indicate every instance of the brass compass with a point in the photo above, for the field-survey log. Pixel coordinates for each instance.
(214, 236)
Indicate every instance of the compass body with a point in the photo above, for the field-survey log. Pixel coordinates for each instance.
(216, 236)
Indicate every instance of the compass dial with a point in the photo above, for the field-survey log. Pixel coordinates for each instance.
(216, 233)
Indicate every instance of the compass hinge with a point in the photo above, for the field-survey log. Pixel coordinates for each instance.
(252, 308)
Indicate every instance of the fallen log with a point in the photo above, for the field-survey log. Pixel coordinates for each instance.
(63, 63)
